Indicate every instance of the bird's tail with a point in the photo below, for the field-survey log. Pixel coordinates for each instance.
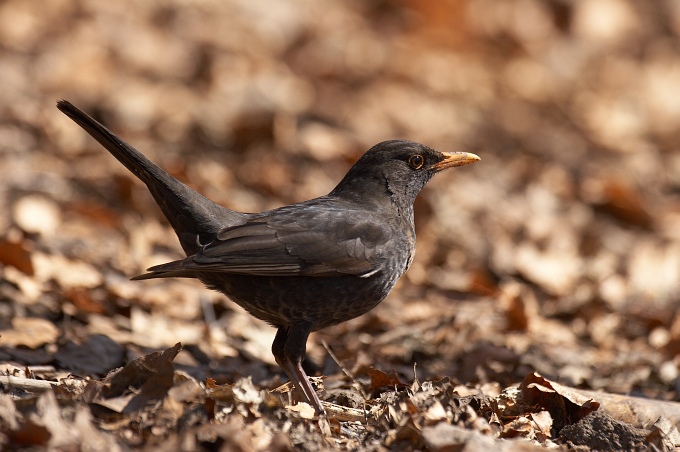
(195, 219)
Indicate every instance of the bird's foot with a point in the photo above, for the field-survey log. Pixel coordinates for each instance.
(304, 387)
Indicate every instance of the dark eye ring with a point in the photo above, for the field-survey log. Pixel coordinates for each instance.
(416, 161)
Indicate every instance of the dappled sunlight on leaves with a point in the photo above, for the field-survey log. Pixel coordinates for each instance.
(540, 310)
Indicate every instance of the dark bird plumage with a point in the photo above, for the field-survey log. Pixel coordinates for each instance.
(300, 267)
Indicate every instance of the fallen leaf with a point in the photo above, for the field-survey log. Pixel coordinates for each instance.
(381, 381)
(31, 332)
(83, 301)
(566, 407)
(97, 355)
(305, 410)
(142, 382)
(543, 421)
(66, 272)
(37, 214)
(623, 201)
(16, 254)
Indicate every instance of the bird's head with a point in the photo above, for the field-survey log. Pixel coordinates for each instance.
(399, 169)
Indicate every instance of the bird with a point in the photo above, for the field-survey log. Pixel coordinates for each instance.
(300, 267)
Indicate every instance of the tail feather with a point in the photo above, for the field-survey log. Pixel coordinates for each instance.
(173, 269)
(195, 219)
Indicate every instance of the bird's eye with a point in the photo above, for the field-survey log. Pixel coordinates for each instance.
(416, 161)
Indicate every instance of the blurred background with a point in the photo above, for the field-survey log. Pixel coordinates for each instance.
(559, 252)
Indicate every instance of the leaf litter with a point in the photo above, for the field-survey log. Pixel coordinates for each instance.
(540, 310)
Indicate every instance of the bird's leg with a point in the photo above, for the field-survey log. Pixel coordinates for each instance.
(278, 349)
(295, 348)
(289, 351)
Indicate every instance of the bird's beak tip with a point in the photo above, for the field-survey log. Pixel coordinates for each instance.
(452, 159)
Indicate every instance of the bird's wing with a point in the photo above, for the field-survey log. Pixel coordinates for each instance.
(294, 242)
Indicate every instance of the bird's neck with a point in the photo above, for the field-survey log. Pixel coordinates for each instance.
(377, 194)
(402, 197)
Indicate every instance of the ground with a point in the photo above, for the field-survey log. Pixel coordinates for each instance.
(540, 310)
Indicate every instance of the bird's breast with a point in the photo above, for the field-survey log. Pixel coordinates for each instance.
(323, 302)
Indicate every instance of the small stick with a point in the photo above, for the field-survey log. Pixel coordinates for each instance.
(344, 369)
(27, 384)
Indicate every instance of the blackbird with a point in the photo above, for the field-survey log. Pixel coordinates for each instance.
(300, 267)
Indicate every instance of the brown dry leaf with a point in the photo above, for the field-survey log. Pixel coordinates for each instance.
(187, 390)
(556, 271)
(406, 434)
(303, 409)
(223, 393)
(72, 386)
(246, 392)
(481, 283)
(445, 437)
(566, 407)
(29, 433)
(435, 413)
(66, 272)
(31, 332)
(9, 415)
(623, 201)
(213, 393)
(576, 197)
(665, 430)
(16, 254)
(543, 421)
(653, 274)
(30, 357)
(97, 213)
(49, 415)
(53, 428)
(513, 300)
(37, 214)
(381, 381)
(30, 289)
(90, 436)
(95, 355)
(519, 427)
(142, 382)
(155, 330)
(83, 301)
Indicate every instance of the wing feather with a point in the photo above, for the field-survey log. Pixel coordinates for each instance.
(318, 241)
